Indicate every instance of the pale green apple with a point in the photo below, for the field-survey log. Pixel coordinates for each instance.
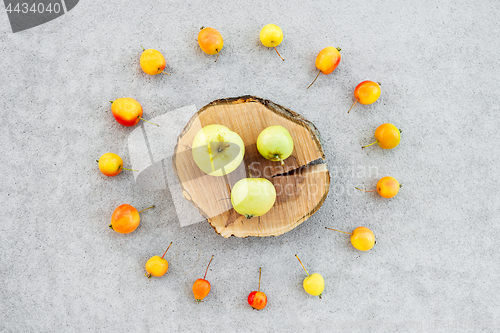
(253, 196)
(275, 143)
(314, 284)
(217, 150)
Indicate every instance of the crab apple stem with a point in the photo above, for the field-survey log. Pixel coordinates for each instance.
(352, 106)
(146, 209)
(111, 102)
(314, 80)
(302, 265)
(128, 169)
(260, 273)
(369, 144)
(148, 121)
(278, 52)
(217, 55)
(166, 73)
(204, 276)
(357, 188)
(142, 48)
(166, 249)
(344, 232)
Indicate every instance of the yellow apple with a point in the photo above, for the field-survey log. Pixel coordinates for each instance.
(253, 196)
(156, 266)
(272, 36)
(314, 284)
(217, 150)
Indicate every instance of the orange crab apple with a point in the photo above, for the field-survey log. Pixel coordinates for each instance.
(387, 136)
(327, 60)
(127, 111)
(362, 238)
(201, 287)
(152, 62)
(257, 299)
(210, 41)
(157, 266)
(126, 218)
(387, 187)
(367, 92)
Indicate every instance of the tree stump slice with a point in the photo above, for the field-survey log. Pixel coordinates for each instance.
(301, 187)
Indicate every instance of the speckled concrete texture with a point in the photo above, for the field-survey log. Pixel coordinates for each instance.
(435, 267)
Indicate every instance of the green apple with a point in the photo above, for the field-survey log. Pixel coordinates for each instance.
(275, 143)
(217, 150)
(253, 196)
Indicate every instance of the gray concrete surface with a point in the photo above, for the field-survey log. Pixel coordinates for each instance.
(435, 267)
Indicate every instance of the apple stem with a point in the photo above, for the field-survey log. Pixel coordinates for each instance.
(148, 121)
(352, 106)
(302, 265)
(314, 80)
(166, 73)
(146, 209)
(221, 148)
(217, 55)
(278, 52)
(111, 102)
(344, 232)
(279, 158)
(204, 276)
(128, 169)
(142, 48)
(365, 190)
(166, 249)
(148, 275)
(369, 144)
(260, 273)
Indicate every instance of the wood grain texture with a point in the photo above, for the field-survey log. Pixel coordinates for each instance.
(301, 188)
